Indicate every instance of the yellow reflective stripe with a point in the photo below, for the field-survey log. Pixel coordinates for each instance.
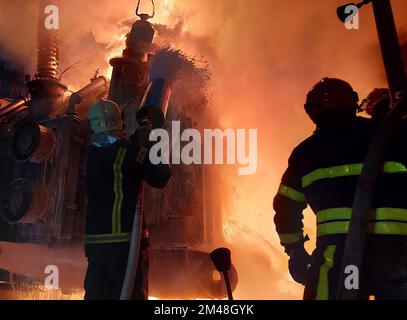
(141, 156)
(107, 238)
(390, 214)
(392, 228)
(290, 238)
(292, 194)
(333, 228)
(323, 281)
(333, 172)
(377, 214)
(394, 167)
(118, 190)
(348, 170)
(334, 214)
(378, 227)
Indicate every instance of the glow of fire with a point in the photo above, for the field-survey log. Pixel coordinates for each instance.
(165, 9)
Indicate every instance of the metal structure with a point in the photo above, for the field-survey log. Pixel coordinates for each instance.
(129, 79)
(43, 150)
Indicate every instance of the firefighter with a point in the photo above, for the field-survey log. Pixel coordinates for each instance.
(116, 169)
(378, 104)
(323, 173)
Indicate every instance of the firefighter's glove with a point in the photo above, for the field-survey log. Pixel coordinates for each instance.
(299, 262)
(143, 135)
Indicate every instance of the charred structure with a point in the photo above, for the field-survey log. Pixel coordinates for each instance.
(43, 151)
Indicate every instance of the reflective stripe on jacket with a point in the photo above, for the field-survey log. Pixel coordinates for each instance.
(323, 173)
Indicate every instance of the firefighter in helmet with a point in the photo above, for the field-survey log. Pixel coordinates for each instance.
(323, 173)
(116, 169)
(378, 104)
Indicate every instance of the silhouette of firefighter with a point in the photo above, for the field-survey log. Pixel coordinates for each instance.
(116, 169)
(378, 104)
(323, 173)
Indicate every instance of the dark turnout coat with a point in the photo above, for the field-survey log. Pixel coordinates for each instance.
(114, 177)
(323, 173)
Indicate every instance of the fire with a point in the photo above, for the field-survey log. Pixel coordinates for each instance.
(247, 230)
(165, 11)
(264, 58)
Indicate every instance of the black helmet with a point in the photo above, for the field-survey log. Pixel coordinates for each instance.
(330, 94)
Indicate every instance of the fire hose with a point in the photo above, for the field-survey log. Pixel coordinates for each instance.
(153, 107)
(95, 86)
(134, 254)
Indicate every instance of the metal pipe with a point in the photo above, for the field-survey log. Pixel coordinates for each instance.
(228, 286)
(222, 259)
(390, 46)
(13, 106)
(93, 87)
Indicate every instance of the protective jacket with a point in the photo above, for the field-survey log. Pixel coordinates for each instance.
(114, 177)
(323, 173)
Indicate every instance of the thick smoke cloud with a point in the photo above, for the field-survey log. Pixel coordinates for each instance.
(264, 57)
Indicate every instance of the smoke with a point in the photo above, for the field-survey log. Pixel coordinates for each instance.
(71, 263)
(263, 55)
(16, 46)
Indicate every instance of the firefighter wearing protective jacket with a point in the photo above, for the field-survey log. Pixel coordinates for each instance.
(323, 173)
(116, 169)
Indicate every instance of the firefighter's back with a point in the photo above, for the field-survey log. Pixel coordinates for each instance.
(323, 172)
(330, 163)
